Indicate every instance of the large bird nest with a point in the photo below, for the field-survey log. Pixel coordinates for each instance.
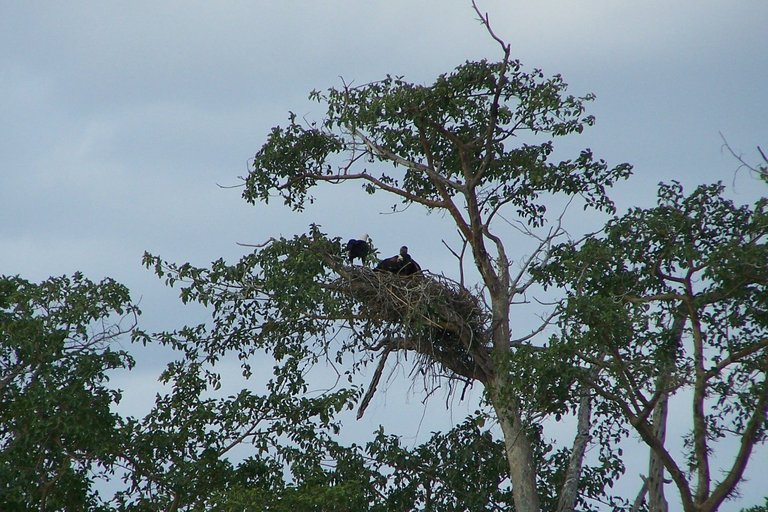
(431, 315)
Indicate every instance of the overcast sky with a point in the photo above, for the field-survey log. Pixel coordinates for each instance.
(120, 119)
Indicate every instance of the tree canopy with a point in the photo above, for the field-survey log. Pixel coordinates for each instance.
(57, 430)
(670, 304)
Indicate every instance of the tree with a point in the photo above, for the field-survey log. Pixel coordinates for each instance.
(670, 304)
(57, 430)
(447, 147)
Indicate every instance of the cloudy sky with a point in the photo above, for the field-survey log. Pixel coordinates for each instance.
(120, 120)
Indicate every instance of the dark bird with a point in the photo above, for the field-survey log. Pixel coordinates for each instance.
(358, 249)
(401, 264)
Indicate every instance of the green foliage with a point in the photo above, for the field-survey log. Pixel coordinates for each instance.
(463, 469)
(673, 298)
(450, 136)
(267, 304)
(57, 430)
(700, 253)
(278, 299)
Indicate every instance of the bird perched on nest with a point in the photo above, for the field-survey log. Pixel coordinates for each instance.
(358, 249)
(402, 264)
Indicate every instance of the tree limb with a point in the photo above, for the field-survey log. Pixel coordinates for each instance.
(374, 383)
(748, 440)
(569, 492)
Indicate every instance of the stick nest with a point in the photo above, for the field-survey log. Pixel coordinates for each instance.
(428, 314)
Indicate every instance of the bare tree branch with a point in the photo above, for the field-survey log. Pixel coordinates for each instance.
(748, 440)
(760, 170)
(459, 256)
(736, 357)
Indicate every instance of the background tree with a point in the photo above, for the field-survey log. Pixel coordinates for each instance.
(670, 303)
(58, 433)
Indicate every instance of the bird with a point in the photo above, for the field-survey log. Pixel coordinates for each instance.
(358, 249)
(402, 264)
